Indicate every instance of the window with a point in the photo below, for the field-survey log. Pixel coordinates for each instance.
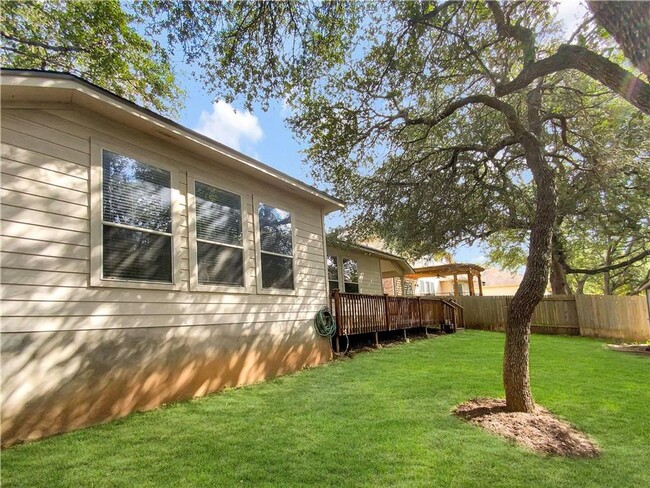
(276, 247)
(136, 220)
(333, 273)
(219, 236)
(351, 276)
(408, 288)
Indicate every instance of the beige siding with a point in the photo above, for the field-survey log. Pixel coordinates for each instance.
(72, 349)
(370, 281)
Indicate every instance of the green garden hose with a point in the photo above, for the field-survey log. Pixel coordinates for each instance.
(325, 323)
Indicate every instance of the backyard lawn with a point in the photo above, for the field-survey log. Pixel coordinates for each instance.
(380, 419)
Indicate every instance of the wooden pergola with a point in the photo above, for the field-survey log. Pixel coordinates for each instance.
(472, 271)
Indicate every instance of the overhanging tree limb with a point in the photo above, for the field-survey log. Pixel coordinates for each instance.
(617, 79)
(48, 47)
(629, 23)
(611, 267)
(494, 103)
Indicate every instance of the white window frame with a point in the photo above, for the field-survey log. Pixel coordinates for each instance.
(342, 274)
(338, 271)
(192, 178)
(258, 246)
(97, 146)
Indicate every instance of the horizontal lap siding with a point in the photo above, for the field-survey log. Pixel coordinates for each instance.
(45, 258)
(45, 216)
(369, 269)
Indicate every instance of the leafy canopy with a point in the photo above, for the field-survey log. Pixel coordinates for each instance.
(366, 82)
(94, 40)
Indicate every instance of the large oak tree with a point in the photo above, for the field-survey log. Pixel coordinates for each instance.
(431, 118)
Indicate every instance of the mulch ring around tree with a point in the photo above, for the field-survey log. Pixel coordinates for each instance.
(541, 432)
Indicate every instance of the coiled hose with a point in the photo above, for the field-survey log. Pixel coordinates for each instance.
(325, 323)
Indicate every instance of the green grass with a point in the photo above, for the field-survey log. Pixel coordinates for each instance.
(380, 419)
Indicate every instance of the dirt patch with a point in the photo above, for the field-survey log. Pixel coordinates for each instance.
(633, 348)
(542, 432)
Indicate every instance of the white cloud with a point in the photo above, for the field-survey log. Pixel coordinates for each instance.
(229, 126)
(570, 13)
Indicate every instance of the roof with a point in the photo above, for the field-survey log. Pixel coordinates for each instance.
(340, 244)
(58, 87)
(499, 277)
(446, 270)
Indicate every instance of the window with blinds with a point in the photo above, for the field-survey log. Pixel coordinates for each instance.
(351, 276)
(219, 236)
(333, 273)
(276, 247)
(136, 220)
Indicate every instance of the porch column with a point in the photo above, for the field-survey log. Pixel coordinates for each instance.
(470, 282)
(480, 284)
(456, 294)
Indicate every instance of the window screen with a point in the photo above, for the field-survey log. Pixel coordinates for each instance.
(276, 246)
(333, 273)
(351, 276)
(219, 236)
(137, 220)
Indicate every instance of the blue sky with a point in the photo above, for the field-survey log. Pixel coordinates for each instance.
(264, 136)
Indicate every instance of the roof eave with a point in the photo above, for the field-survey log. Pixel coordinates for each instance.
(87, 94)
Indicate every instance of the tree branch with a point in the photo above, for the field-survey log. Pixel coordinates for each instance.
(48, 47)
(617, 79)
(611, 267)
(517, 32)
(494, 103)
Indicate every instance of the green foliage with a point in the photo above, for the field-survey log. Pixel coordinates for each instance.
(254, 50)
(381, 419)
(367, 81)
(94, 40)
(604, 191)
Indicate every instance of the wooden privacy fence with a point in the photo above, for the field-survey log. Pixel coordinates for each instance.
(614, 317)
(365, 314)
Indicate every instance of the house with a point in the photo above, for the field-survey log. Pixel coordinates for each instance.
(355, 268)
(497, 282)
(370, 294)
(144, 263)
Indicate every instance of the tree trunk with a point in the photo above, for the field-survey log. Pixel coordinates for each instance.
(607, 284)
(629, 24)
(516, 375)
(559, 285)
(580, 288)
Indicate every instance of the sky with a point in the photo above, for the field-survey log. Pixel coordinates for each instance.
(264, 135)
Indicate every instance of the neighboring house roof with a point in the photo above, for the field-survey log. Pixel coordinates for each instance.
(499, 277)
(400, 261)
(442, 270)
(57, 87)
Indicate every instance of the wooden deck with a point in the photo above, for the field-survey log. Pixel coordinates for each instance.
(368, 314)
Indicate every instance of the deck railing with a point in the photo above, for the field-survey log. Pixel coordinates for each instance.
(365, 314)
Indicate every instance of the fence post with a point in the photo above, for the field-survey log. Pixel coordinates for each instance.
(387, 312)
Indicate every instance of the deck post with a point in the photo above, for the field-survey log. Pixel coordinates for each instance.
(405, 339)
(456, 286)
(387, 314)
(376, 338)
(422, 322)
(337, 310)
